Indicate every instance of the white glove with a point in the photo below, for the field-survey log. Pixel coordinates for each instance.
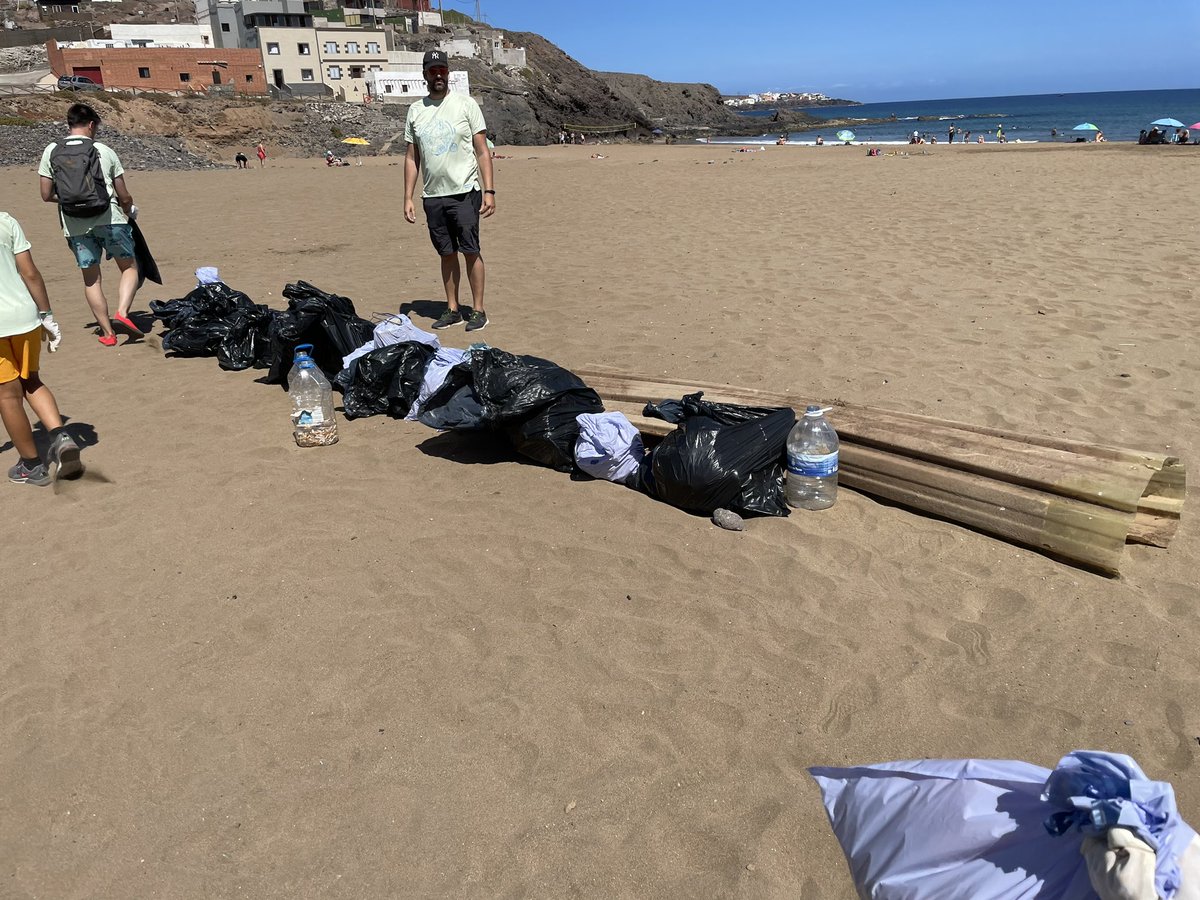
(52, 333)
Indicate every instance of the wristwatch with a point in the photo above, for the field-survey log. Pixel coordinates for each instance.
(45, 315)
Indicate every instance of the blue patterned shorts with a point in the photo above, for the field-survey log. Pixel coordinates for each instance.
(116, 241)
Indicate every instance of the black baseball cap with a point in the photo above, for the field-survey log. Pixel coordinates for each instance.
(435, 58)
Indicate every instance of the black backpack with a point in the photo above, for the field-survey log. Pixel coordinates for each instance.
(78, 179)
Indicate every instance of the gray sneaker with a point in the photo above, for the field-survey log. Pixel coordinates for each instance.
(477, 320)
(38, 475)
(449, 317)
(63, 457)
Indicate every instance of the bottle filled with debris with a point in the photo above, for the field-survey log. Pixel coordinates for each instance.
(812, 461)
(312, 402)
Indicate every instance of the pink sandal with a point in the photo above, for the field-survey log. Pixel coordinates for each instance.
(108, 340)
(127, 323)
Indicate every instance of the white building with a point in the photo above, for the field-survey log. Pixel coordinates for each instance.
(174, 35)
(408, 86)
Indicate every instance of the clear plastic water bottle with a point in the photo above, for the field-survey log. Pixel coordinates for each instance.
(312, 402)
(812, 461)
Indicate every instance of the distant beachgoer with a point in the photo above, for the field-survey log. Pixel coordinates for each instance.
(916, 137)
(1100, 137)
(950, 132)
(979, 140)
(562, 136)
(1053, 133)
(1000, 134)
(820, 141)
(262, 154)
(966, 136)
(25, 321)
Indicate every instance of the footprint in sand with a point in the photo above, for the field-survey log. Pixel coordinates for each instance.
(848, 703)
(1181, 758)
(973, 638)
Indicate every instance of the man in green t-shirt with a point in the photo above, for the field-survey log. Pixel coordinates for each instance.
(447, 143)
(92, 237)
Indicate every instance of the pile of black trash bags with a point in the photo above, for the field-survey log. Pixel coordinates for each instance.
(722, 456)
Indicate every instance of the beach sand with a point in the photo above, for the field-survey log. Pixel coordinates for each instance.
(412, 665)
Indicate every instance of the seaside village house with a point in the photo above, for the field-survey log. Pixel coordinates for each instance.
(285, 48)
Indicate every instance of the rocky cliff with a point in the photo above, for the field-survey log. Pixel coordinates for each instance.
(523, 106)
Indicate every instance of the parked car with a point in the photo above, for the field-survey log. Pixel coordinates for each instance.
(77, 83)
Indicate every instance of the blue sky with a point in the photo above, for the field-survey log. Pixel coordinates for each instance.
(874, 49)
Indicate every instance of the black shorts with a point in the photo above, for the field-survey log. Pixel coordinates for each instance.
(454, 222)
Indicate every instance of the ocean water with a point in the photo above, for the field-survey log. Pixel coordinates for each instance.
(1119, 114)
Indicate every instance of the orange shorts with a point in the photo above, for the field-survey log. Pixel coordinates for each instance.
(20, 354)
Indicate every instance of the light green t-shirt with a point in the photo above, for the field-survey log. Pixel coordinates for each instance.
(443, 131)
(110, 164)
(18, 312)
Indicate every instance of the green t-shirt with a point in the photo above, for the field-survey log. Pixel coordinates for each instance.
(110, 164)
(18, 312)
(443, 131)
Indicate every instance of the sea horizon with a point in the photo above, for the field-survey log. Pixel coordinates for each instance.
(1026, 118)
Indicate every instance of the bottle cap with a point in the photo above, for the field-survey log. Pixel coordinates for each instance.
(812, 410)
(303, 350)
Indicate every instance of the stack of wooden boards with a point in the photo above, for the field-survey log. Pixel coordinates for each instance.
(1069, 499)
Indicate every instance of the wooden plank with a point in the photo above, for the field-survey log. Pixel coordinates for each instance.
(1065, 498)
(1109, 476)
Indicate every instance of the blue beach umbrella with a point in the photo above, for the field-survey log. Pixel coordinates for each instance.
(1168, 123)
(1086, 126)
(845, 135)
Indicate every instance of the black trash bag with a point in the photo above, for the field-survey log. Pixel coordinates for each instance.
(535, 402)
(327, 321)
(722, 456)
(387, 380)
(695, 405)
(205, 303)
(198, 338)
(247, 343)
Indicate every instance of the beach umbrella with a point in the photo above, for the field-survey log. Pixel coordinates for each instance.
(1168, 123)
(1086, 126)
(357, 142)
(845, 135)
(1196, 125)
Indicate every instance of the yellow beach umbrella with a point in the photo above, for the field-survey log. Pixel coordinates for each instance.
(357, 142)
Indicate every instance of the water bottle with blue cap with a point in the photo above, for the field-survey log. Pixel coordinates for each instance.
(812, 461)
(312, 401)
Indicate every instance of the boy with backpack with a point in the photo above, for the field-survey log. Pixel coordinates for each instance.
(25, 321)
(85, 178)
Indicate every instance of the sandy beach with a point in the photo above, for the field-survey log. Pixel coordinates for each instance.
(412, 665)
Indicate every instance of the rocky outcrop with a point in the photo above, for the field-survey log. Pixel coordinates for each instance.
(523, 106)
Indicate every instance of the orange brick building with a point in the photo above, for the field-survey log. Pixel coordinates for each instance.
(163, 68)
